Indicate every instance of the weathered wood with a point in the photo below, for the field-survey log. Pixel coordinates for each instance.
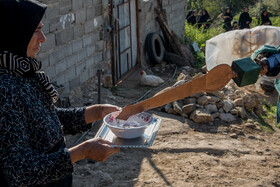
(170, 36)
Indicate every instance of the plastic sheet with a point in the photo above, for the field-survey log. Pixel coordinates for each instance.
(233, 45)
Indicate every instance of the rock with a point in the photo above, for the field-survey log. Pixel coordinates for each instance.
(227, 117)
(218, 94)
(201, 116)
(204, 69)
(215, 115)
(169, 109)
(237, 130)
(211, 108)
(238, 102)
(232, 97)
(238, 92)
(234, 111)
(189, 100)
(226, 92)
(107, 81)
(250, 125)
(213, 99)
(228, 105)
(233, 135)
(104, 178)
(219, 104)
(182, 76)
(203, 100)
(242, 112)
(221, 110)
(253, 102)
(198, 106)
(197, 95)
(178, 83)
(177, 108)
(187, 109)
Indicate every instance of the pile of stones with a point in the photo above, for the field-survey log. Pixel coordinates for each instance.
(227, 105)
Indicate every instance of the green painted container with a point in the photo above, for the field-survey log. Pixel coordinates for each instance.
(247, 71)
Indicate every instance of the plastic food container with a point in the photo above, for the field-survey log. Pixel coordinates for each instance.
(133, 127)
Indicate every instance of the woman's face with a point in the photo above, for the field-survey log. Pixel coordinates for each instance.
(264, 13)
(228, 10)
(203, 12)
(35, 43)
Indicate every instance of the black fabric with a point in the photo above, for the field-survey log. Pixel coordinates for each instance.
(191, 19)
(265, 19)
(244, 17)
(19, 20)
(204, 19)
(27, 67)
(227, 21)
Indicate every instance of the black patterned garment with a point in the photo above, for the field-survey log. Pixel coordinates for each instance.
(32, 148)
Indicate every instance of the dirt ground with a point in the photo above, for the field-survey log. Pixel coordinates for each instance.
(185, 153)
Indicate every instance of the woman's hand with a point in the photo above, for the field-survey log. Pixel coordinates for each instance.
(98, 112)
(94, 149)
(99, 149)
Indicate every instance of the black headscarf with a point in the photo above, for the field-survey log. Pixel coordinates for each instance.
(19, 20)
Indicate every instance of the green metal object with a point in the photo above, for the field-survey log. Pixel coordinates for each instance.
(247, 71)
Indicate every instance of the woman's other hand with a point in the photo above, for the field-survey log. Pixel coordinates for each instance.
(98, 112)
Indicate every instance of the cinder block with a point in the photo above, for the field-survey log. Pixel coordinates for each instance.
(98, 57)
(60, 54)
(99, 46)
(81, 67)
(45, 62)
(80, 16)
(55, 24)
(77, 4)
(90, 62)
(87, 40)
(59, 79)
(88, 26)
(79, 30)
(99, 10)
(90, 13)
(56, 56)
(52, 10)
(90, 50)
(65, 6)
(84, 76)
(60, 66)
(70, 73)
(98, 22)
(64, 36)
(82, 54)
(50, 71)
(49, 44)
(87, 3)
(72, 60)
(77, 45)
(46, 27)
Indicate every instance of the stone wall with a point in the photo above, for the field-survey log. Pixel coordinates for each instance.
(74, 49)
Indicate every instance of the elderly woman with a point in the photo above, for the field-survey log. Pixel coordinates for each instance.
(32, 147)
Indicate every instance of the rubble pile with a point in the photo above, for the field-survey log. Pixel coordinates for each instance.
(227, 105)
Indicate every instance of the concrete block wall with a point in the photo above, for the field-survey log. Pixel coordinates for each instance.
(74, 48)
